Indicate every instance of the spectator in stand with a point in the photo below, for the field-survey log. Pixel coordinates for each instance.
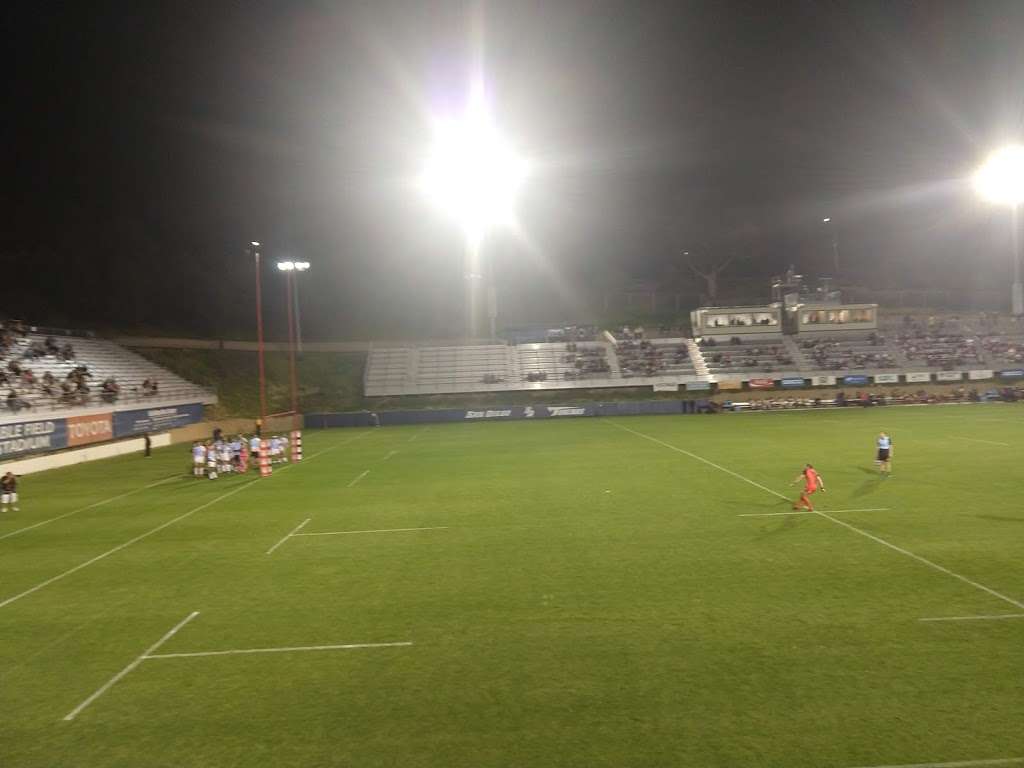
(15, 403)
(51, 346)
(67, 352)
(14, 367)
(110, 390)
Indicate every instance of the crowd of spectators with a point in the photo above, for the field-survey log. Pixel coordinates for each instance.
(751, 356)
(828, 354)
(639, 357)
(586, 361)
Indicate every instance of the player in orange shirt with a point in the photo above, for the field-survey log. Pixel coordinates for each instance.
(812, 483)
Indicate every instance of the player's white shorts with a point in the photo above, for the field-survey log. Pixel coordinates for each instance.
(198, 461)
(9, 498)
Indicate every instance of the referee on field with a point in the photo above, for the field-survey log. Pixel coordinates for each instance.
(884, 458)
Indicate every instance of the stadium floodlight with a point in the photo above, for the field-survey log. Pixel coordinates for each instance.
(301, 266)
(1000, 180)
(1001, 177)
(826, 220)
(286, 266)
(472, 172)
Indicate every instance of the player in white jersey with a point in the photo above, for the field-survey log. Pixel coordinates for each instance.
(198, 458)
(211, 461)
(224, 457)
(884, 456)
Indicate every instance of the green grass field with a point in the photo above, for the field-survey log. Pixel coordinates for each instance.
(585, 593)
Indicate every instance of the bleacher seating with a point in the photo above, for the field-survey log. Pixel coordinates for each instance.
(388, 368)
(829, 353)
(562, 362)
(486, 364)
(55, 362)
(940, 351)
(1003, 350)
(654, 357)
(761, 355)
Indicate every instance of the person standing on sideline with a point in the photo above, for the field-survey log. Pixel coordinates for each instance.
(812, 483)
(884, 457)
(148, 449)
(8, 492)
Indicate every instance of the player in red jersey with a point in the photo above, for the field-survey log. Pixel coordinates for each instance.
(812, 483)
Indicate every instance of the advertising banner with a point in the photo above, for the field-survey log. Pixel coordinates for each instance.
(918, 378)
(32, 437)
(855, 380)
(1015, 374)
(698, 385)
(728, 385)
(887, 378)
(762, 383)
(94, 428)
(980, 375)
(671, 387)
(156, 419)
(793, 383)
(823, 381)
(949, 376)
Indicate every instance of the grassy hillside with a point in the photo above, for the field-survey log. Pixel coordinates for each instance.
(328, 381)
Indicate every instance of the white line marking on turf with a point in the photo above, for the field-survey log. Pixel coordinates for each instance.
(825, 515)
(128, 543)
(145, 654)
(993, 617)
(89, 506)
(413, 438)
(364, 474)
(977, 440)
(298, 528)
(808, 512)
(390, 455)
(378, 530)
(957, 764)
(700, 459)
(276, 650)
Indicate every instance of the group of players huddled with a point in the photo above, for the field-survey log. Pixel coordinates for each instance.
(222, 456)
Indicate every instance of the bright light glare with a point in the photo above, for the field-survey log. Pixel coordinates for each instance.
(827, 219)
(472, 172)
(1001, 178)
(301, 266)
(286, 266)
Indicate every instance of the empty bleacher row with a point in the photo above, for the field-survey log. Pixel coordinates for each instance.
(42, 372)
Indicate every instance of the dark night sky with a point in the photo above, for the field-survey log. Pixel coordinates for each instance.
(146, 143)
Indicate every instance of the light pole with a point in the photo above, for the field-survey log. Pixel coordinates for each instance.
(475, 176)
(827, 221)
(254, 248)
(290, 268)
(1001, 180)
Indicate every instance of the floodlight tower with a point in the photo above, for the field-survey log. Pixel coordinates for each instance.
(254, 249)
(1001, 180)
(475, 176)
(831, 225)
(289, 268)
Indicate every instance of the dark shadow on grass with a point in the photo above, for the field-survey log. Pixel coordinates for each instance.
(869, 471)
(773, 529)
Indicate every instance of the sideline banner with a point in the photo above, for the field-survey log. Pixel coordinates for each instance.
(697, 385)
(855, 380)
(94, 428)
(823, 381)
(729, 385)
(793, 383)
(762, 383)
(32, 437)
(887, 378)
(980, 375)
(949, 376)
(1016, 374)
(918, 378)
(666, 387)
(156, 419)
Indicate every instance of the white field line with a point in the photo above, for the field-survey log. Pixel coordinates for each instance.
(417, 434)
(978, 440)
(379, 530)
(956, 764)
(331, 448)
(293, 649)
(700, 459)
(392, 453)
(126, 544)
(925, 561)
(825, 515)
(993, 617)
(808, 512)
(145, 654)
(364, 474)
(89, 506)
(298, 528)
